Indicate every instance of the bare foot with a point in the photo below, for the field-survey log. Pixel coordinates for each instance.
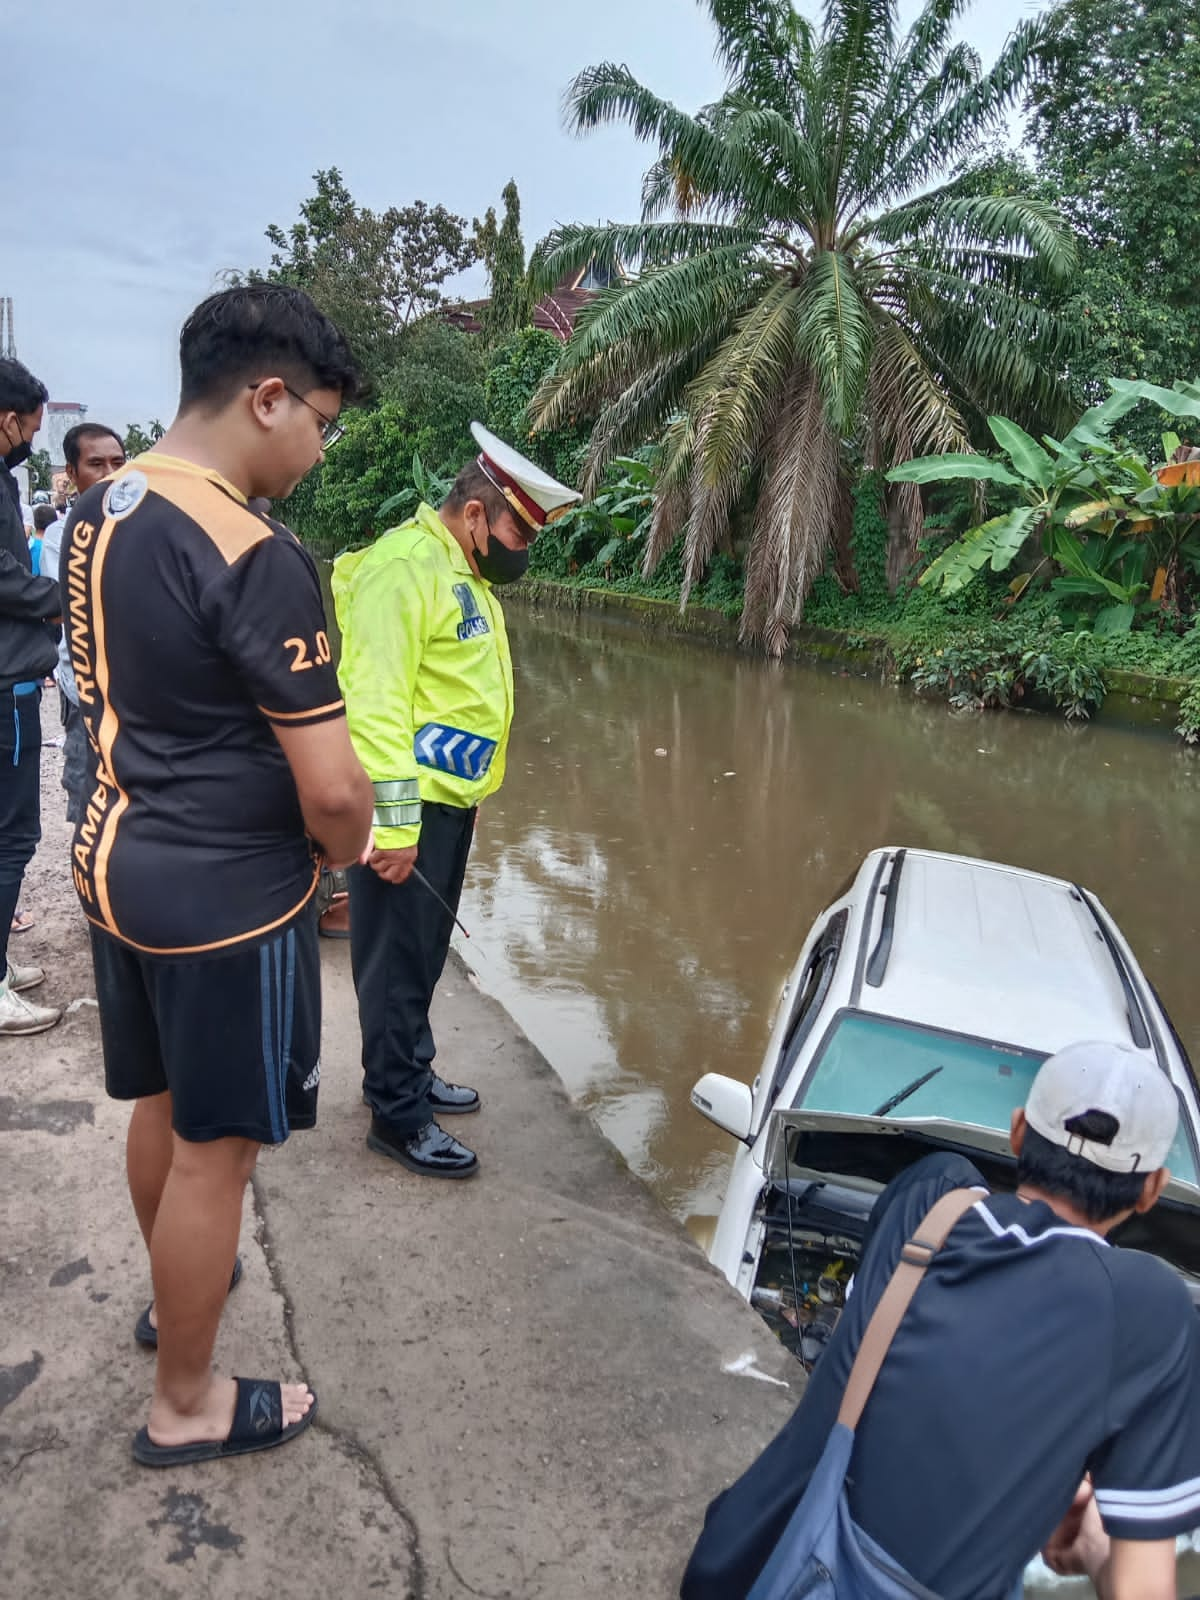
(214, 1417)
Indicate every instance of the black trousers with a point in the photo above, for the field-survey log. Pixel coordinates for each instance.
(77, 777)
(20, 798)
(399, 937)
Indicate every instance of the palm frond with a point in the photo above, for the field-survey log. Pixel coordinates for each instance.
(794, 515)
(709, 512)
(712, 174)
(766, 47)
(743, 381)
(834, 337)
(641, 409)
(664, 311)
(673, 490)
(913, 99)
(633, 246)
(978, 111)
(911, 414)
(609, 92)
(664, 190)
(939, 221)
(771, 142)
(857, 43)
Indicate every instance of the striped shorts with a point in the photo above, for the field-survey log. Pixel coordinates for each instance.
(234, 1037)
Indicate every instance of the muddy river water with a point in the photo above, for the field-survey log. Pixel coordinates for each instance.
(675, 816)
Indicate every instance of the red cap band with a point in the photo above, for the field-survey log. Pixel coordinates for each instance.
(534, 514)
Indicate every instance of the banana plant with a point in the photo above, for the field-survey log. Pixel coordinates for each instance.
(427, 485)
(1081, 483)
(1153, 516)
(620, 513)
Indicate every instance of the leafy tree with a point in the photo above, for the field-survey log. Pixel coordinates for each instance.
(517, 370)
(510, 303)
(819, 283)
(40, 475)
(1115, 114)
(374, 273)
(369, 464)
(138, 439)
(438, 381)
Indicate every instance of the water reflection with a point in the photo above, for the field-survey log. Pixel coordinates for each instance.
(674, 818)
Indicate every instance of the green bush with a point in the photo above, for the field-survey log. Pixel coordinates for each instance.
(427, 402)
(1001, 663)
(1188, 726)
(515, 372)
(370, 464)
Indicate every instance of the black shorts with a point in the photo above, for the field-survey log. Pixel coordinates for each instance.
(235, 1037)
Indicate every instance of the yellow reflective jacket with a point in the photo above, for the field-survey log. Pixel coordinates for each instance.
(425, 671)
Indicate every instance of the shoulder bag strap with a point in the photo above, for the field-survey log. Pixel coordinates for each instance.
(918, 1252)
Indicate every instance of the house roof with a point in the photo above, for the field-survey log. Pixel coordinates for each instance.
(554, 313)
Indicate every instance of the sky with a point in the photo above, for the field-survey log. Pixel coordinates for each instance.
(164, 135)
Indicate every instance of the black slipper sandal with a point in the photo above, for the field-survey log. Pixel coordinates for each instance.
(257, 1425)
(144, 1330)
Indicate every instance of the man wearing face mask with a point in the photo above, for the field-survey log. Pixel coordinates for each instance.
(29, 608)
(427, 679)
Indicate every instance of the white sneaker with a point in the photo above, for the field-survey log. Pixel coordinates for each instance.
(18, 1015)
(22, 978)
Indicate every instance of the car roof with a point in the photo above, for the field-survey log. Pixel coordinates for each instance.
(1000, 953)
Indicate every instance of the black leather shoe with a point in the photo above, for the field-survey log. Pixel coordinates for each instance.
(451, 1099)
(430, 1151)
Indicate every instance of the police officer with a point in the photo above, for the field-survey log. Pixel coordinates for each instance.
(427, 678)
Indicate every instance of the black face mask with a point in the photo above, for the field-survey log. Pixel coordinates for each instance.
(498, 564)
(20, 452)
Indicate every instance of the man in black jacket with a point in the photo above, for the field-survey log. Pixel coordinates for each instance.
(29, 613)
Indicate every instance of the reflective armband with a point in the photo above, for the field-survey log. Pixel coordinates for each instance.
(397, 803)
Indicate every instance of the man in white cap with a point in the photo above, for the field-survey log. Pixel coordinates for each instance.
(1042, 1391)
(427, 678)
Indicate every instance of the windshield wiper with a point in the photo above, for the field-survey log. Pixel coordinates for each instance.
(889, 1106)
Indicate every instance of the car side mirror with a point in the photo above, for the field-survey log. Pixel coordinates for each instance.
(727, 1102)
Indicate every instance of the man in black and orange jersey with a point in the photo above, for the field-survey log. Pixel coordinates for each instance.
(224, 773)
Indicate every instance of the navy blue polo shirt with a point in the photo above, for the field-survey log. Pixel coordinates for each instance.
(1032, 1353)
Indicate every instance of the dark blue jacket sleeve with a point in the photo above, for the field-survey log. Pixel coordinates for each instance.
(743, 1525)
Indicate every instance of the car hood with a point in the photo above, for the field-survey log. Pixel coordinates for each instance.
(866, 1153)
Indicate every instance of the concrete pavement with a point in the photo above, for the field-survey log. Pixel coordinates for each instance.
(520, 1377)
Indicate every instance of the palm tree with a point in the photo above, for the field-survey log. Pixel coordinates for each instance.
(817, 283)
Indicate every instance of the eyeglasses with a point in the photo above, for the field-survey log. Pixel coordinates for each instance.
(331, 429)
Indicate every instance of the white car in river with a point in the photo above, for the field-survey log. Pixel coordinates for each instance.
(923, 1003)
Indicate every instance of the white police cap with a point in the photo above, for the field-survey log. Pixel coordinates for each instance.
(534, 495)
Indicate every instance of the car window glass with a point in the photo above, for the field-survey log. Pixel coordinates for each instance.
(866, 1060)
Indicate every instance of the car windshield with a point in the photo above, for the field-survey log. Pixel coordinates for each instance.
(867, 1063)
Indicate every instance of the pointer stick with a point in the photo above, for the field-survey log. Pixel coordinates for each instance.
(421, 878)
